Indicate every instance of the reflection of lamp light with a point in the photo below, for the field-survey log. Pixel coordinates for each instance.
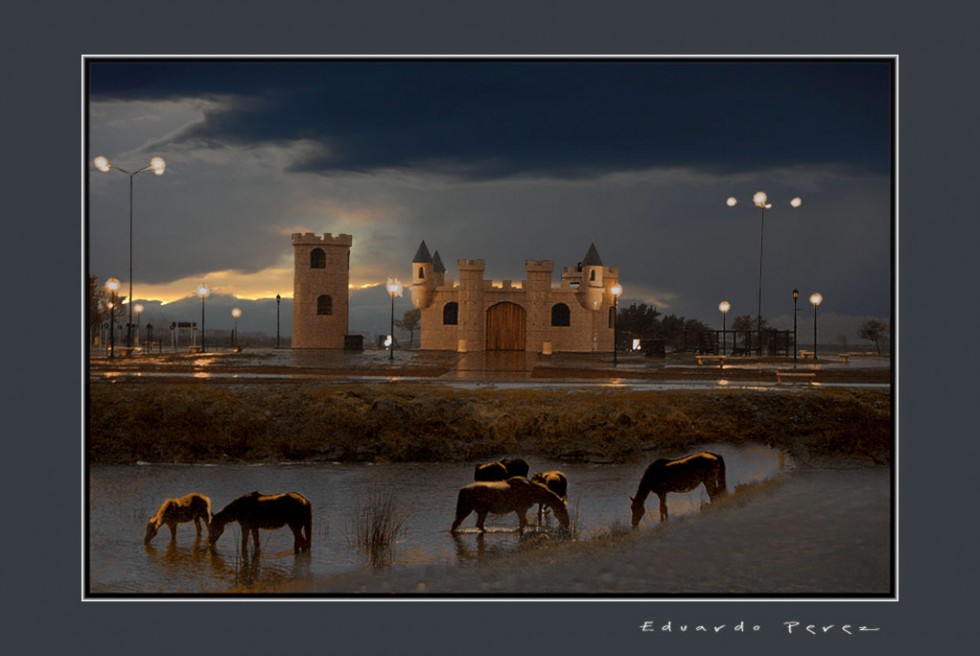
(112, 285)
(158, 166)
(138, 309)
(235, 312)
(394, 287)
(724, 306)
(816, 299)
(761, 200)
(615, 290)
(203, 291)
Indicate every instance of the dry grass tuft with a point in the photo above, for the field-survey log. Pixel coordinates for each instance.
(374, 526)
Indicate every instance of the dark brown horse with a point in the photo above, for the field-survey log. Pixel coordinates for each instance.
(680, 475)
(191, 507)
(501, 470)
(515, 495)
(254, 511)
(554, 481)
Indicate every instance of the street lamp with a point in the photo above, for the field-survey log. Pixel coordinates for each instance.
(278, 298)
(394, 289)
(138, 309)
(761, 200)
(724, 306)
(796, 295)
(112, 286)
(158, 166)
(816, 299)
(615, 290)
(203, 291)
(235, 312)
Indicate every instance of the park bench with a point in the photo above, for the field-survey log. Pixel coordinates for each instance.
(720, 359)
(806, 355)
(795, 376)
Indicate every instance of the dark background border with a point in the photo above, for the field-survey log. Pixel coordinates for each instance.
(42, 166)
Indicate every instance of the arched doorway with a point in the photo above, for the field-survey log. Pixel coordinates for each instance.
(505, 327)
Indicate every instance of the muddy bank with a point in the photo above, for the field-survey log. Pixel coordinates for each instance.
(207, 421)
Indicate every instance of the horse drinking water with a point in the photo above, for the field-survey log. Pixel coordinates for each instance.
(554, 481)
(680, 475)
(254, 511)
(515, 495)
(501, 470)
(191, 507)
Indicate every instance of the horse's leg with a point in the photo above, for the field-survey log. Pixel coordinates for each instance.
(481, 516)
(255, 538)
(460, 516)
(197, 525)
(173, 531)
(521, 519)
(297, 537)
(663, 506)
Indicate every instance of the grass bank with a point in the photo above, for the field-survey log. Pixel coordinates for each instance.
(207, 421)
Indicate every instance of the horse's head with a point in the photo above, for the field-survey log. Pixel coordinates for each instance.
(636, 506)
(215, 529)
(561, 512)
(151, 531)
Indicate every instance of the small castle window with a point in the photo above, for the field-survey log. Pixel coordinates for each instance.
(421, 272)
(592, 275)
(560, 315)
(450, 314)
(324, 304)
(318, 259)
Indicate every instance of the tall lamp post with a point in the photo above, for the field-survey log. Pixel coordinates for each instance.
(761, 200)
(203, 291)
(235, 312)
(796, 295)
(112, 286)
(278, 298)
(724, 306)
(816, 299)
(615, 290)
(158, 166)
(138, 309)
(394, 289)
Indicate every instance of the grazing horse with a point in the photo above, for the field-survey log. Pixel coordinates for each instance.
(515, 495)
(254, 511)
(680, 475)
(501, 470)
(192, 507)
(554, 481)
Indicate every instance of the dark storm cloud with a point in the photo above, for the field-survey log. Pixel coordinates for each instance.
(487, 119)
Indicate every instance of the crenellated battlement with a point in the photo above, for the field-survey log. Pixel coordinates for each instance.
(309, 238)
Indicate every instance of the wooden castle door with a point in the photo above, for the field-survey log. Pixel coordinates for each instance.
(505, 327)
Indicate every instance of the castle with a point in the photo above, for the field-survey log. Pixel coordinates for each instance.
(321, 278)
(532, 315)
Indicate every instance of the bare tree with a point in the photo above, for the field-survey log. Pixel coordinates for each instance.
(873, 330)
(410, 321)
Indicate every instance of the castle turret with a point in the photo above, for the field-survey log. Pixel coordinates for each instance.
(591, 285)
(424, 277)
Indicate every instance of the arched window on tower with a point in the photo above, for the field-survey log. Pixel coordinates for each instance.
(592, 275)
(560, 315)
(450, 314)
(421, 272)
(318, 259)
(324, 304)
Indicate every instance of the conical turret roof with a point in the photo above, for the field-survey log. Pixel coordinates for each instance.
(592, 257)
(437, 264)
(422, 254)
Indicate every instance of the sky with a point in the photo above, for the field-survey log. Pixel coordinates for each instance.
(499, 159)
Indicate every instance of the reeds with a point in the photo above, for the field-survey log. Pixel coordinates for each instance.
(374, 526)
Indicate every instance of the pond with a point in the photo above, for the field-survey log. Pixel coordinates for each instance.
(122, 497)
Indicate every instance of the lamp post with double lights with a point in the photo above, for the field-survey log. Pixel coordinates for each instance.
(158, 166)
(761, 200)
(796, 295)
(203, 291)
(394, 287)
(112, 286)
(616, 290)
(816, 299)
(724, 307)
(235, 312)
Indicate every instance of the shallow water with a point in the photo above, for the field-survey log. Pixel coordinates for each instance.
(121, 498)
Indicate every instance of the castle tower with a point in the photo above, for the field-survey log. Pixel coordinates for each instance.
(472, 317)
(591, 287)
(321, 279)
(537, 290)
(424, 277)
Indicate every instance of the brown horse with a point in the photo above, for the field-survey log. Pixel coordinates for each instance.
(680, 475)
(254, 511)
(192, 507)
(554, 481)
(515, 495)
(501, 470)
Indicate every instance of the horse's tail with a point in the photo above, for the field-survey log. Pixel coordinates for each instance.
(462, 508)
(721, 485)
(308, 526)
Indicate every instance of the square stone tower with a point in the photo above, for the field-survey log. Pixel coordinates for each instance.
(321, 293)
